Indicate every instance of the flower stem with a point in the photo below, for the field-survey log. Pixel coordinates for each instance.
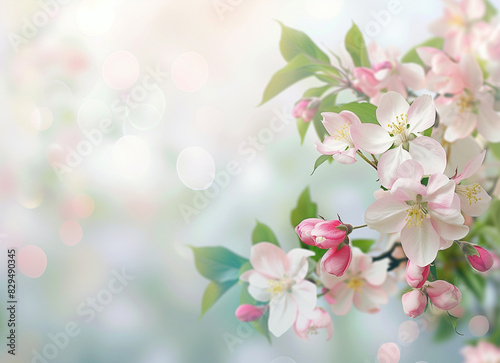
(366, 159)
(364, 225)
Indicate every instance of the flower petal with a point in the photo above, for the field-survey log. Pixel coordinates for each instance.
(332, 122)
(331, 145)
(371, 138)
(488, 123)
(471, 167)
(429, 153)
(422, 114)
(420, 244)
(282, 314)
(386, 215)
(475, 209)
(369, 298)
(389, 164)
(413, 75)
(343, 298)
(269, 260)
(440, 190)
(297, 262)
(376, 274)
(392, 104)
(471, 72)
(305, 296)
(258, 287)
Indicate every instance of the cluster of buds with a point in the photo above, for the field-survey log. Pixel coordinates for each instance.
(331, 235)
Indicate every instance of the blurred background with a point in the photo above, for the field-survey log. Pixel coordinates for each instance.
(130, 130)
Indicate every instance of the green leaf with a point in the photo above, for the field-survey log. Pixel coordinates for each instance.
(317, 91)
(212, 293)
(306, 208)
(320, 161)
(363, 244)
(327, 78)
(217, 263)
(326, 105)
(495, 149)
(412, 55)
(262, 233)
(491, 11)
(299, 68)
(302, 126)
(443, 331)
(262, 326)
(355, 45)
(365, 111)
(294, 42)
(454, 322)
(428, 132)
(433, 272)
(245, 297)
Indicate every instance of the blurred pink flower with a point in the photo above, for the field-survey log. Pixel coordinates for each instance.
(309, 325)
(483, 352)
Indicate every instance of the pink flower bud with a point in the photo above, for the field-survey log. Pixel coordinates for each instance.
(300, 107)
(414, 303)
(483, 262)
(318, 319)
(416, 275)
(306, 109)
(304, 229)
(443, 294)
(247, 312)
(336, 262)
(330, 234)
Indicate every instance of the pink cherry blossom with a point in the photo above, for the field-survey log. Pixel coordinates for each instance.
(416, 275)
(336, 261)
(483, 352)
(472, 108)
(279, 278)
(363, 284)
(474, 200)
(339, 143)
(483, 262)
(444, 75)
(387, 74)
(247, 312)
(400, 126)
(462, 27)
(330, 234)
(309, 325)
(428, 217)
(414, 303)
(443, 295)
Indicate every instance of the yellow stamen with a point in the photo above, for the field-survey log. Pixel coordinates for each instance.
(343, 132)
(456, 20)
(399, 126)
(465, 103)
(470, 192)
(416, 215)
(355, 283)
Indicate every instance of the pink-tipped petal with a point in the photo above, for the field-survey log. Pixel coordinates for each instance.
(336, 262)
(471, 73)
(429, 153)
(269, 260)
(386, 215)
(444, 295)
(422, 114)
(416, 275)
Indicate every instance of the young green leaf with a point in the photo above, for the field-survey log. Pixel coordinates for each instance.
(212, 293)
(454, 322)
(363, 244)
(317, 91)
(217, 263)
(262, 233)
(320, 161)
(365, 111)
(412, 55)
(326, 105)
(262, 327)
(491, 11)
(299, 68)
(355, 45)
(302, 127)
(294, 42)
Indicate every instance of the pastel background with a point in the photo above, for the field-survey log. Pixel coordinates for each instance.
(116, 116)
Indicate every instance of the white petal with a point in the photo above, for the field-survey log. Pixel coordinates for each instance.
(471, 73)
(331, 145)
(413, 75)
(422, 114)
(268, 259)
(386, 215)
(389, 164)
(282, 314)
(475, 209)
(420, 244)
(440, 190)
(392, 104)
(297, 263)
(371, 138)
(377, 273)
(305, 296)
(429, 153)
(369, 298)
(259, 287)
(488, 124)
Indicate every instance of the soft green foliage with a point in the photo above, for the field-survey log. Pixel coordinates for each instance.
(363, 244)
(365, 111)
(302, 127)
(412, 55)
(356, 46)
(294, 42)
(495, 149)
(326, 105)
(222, 267)
(320, 161)
(262, 233)
(491, 11)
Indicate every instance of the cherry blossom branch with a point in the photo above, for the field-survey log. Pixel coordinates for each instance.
(394, 262)
(366, 159)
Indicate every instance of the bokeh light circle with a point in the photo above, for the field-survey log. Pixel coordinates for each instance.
(131, 157)
(83, 205)
(91, 113)
(120, 70)
(479, 325)
(42, 118)
(210, 119)
(196, 168)
(388, 353)
(408, 331)
(32, 261)
(189, 71)
(144, 117)
(70, 233)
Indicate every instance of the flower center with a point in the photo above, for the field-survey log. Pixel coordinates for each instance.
(470, 192)
(343, 133)
(277, 287)
(355, 283)
(399, 128)
(466, 103)
(416, 213)
(456, 20)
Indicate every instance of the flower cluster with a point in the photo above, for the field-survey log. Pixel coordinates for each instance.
(425, 122)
